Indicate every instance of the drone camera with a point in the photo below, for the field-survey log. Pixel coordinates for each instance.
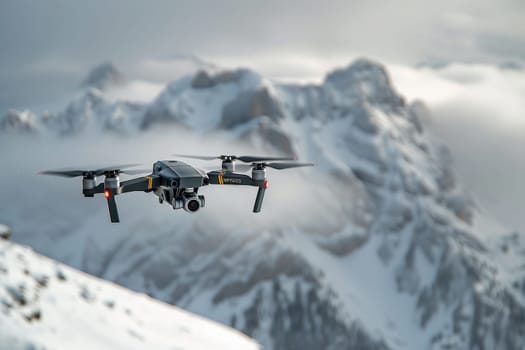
(192, 202)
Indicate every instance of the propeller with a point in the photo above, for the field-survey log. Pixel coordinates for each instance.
(245, 159)
(282, 166)
(273, 165)
(75, 172)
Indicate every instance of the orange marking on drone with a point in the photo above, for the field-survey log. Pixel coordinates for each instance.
(150, 182)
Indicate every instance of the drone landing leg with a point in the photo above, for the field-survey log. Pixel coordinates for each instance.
(259, 199)
(113, 211)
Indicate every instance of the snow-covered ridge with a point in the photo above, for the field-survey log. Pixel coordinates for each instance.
(44, 304)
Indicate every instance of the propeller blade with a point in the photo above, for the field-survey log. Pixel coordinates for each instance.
(101, 171)
(136, 171)
(196, 157)
(245, 159)
(96, 171)
(252, 159)
(64, 173)
(281, 166)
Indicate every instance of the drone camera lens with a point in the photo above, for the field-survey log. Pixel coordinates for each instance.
(193, 205)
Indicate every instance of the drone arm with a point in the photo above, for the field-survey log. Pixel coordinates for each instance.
(220, 178)
(139, 184)
(146, 183)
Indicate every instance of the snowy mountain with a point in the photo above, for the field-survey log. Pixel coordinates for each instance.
(47, 305)
(18, 122)
(377, 248)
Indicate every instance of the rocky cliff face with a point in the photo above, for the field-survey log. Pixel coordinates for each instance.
(19, 122)
(402, 261)
(103, 76)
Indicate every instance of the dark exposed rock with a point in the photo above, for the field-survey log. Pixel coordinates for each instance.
(364, 119)
(367, 177)
(41, 280)
(248, 106)
(288, 264)
(18, 121)
(5, 232)
(205, 80)
(18, 294)
(202, 80)
(273, 135)
(61, 275)
(104, 76)
(34, 315)
(304, 319)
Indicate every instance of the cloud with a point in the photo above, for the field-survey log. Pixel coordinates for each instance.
(30, 202)
(269, 35)
(135, 91)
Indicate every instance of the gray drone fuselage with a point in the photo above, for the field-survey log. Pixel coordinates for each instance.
(178, 184)
(175, 182)
(177, 174)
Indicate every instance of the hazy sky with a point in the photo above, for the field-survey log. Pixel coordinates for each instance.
(46, 47)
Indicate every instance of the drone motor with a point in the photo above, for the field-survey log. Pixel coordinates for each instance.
(228, 165)
(259, 173)
(89, 183)
(112, 183)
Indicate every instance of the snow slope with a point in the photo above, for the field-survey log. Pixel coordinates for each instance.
(45, 304)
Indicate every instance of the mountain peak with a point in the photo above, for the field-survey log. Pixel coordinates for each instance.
(368, 79)
(361, 68)
(103, 76)
(206, 79)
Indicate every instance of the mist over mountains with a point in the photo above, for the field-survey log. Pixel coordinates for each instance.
(377, 247)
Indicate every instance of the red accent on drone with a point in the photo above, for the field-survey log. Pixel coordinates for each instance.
(107, 193)
(266, 184)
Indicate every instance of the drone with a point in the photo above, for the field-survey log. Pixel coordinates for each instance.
(177, 183)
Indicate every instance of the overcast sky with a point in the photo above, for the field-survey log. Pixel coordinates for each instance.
(46, 47)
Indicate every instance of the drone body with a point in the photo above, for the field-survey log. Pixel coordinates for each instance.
(177, 183)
